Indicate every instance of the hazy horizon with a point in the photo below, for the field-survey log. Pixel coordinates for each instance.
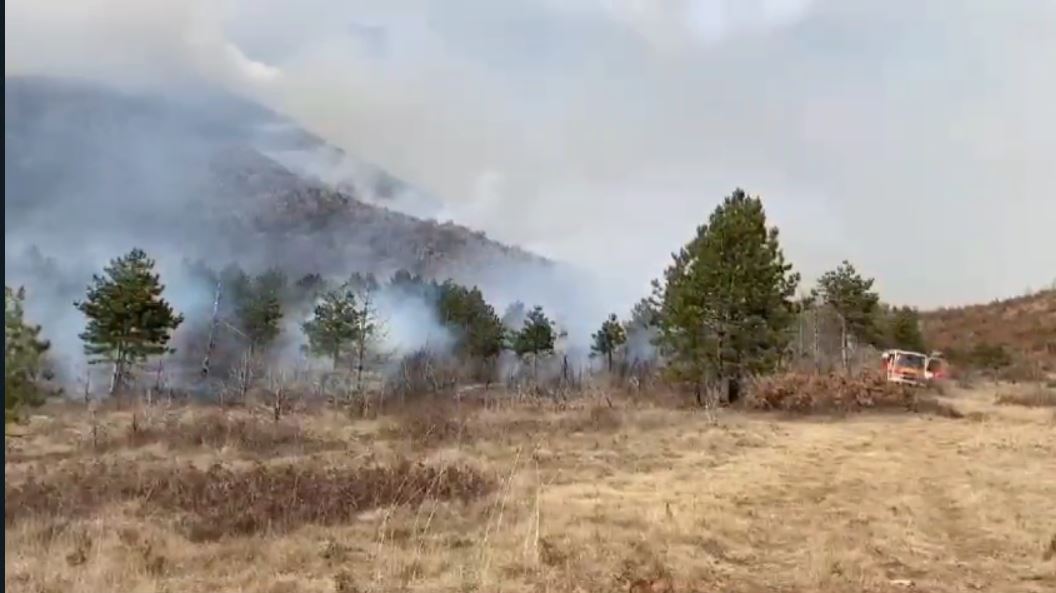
(910, 138)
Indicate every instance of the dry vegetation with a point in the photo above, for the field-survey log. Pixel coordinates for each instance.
(1026, 325)
(1031, 395)
(600, 494)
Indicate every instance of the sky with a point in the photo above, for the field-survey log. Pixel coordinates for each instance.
(916, 138)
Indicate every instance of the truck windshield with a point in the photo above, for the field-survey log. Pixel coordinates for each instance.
(911, 361)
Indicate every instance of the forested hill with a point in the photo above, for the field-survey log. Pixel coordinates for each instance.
(1024, 326)
(213, 176)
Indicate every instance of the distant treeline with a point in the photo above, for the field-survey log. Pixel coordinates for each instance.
(726, 308)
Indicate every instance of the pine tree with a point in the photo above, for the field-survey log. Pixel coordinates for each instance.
(258, 307)
(128, 320)
(645, 314)
(308, 287)
(368, 326)
(537, 336)
(608, 339)
(992, 357)
(344, 322)
(853, 299)
(335, 324)
(478, 330)
(408, 285)
(363, 283)
(726, 298)
(905, 331)
(25, 369)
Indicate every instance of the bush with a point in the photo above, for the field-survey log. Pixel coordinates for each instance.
(422, 373)
(990, 356)
(810, 392)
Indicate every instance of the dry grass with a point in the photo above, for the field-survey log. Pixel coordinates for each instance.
(578, 497)
(215, 429)
(222, 501)
(1032, 396)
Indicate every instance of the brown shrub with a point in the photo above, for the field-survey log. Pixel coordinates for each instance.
(810, 392)
(421, 374)
(1036, 397)
(221, 501)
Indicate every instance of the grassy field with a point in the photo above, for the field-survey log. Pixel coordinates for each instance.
(581, 498)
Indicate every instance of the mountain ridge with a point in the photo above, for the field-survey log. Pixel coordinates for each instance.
(90, 141)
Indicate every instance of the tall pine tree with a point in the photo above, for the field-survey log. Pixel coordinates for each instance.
(537, 336)
(725, 303)
(477, 328)
(258, 307)
(904, 330)
(853, 299)
(608, 339)
(334, 327)
(344, 323)
(128, 320)
(25, 369)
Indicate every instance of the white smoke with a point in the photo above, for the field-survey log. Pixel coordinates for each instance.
(603, 131)
(409, 324)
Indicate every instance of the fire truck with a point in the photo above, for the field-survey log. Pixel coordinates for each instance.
(905, 367)
(914, 368)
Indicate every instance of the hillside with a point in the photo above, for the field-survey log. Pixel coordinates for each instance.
(196, 175)
(216, 175)
(1025, 325)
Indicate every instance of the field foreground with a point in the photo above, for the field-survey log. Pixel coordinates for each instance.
(584, 498)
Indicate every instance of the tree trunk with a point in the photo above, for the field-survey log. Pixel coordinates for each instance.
(87, 386)
(733, 389)
(212, 332)
(278, 402)
(843, 345)
(817, 359)
(360, 354)
(609, 355)
(799, 338)
(246, 375)
(117, 379)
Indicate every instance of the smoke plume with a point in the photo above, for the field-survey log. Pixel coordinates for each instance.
(599, 133)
